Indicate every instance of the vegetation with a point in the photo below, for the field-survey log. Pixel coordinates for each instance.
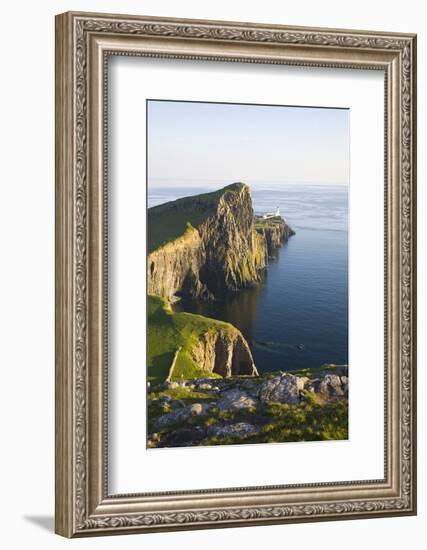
(167, 331)
(303, 422)
(169, 221)
(168, 225)
(180, 394)
(322, 370)
(268, 223)
(311, 420)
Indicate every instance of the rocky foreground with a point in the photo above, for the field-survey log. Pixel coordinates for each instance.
(271, 408)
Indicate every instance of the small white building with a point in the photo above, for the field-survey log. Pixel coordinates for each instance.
(268, 215)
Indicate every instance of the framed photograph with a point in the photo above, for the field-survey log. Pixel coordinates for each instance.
(235, 274)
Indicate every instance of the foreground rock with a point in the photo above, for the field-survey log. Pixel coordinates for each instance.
(330, 386)
(284, 388)
(240, 429)
(182, 415)
(181, 437)
(236, 399)
(235, 407)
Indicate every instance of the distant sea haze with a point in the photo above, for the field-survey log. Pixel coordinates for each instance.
(298, 317)
(303, 204)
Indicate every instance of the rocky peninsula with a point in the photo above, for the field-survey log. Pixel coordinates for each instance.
(201, 247)
(205, 245)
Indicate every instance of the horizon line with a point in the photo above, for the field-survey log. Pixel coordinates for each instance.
(168, 183)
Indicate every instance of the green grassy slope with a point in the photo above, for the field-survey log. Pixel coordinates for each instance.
(168, 331)
(268, 223)
(169, 221)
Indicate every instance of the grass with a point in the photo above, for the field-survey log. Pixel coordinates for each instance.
(322, 370)
(164, 227)
(167, 331)
(267, 223)
(309, 421)
(304, 422)
(155, 408)
(169, 221)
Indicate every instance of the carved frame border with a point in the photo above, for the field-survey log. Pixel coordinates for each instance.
(83, 43)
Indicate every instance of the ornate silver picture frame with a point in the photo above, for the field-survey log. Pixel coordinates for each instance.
(84, 43)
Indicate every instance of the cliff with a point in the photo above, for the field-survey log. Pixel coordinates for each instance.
(204, 245)
(204, 346)
(175, 267)
(224, 351)
(274, 231)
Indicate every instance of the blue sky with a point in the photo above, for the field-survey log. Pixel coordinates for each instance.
(212, 143)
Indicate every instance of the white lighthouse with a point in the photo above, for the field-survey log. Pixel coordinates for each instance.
(268, 215)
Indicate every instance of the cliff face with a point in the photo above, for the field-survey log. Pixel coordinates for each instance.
(175, 267)
(224, 352)
(223, 249)
(183, 345)
(275, 231)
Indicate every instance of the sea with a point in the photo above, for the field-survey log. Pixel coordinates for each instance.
(298, 316)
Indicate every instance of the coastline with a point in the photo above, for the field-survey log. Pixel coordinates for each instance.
(204, 387)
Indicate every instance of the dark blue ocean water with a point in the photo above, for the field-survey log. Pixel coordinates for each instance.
(298, 316)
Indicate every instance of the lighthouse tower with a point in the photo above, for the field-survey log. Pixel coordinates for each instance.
(268, 215)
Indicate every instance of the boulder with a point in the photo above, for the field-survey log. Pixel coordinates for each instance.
(170, 385)
(235, 399)
(204, 386)
(182, 415)
(153, 440)
(344, 382)
(284, 388)
(250, 386)
(239, 429)
(330, 386)
(184, 437)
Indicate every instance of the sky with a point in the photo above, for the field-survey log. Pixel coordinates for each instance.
(196, 144)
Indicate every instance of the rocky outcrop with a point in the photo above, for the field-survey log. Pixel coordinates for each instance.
(224, 351)
(284, 388)
(175, 267)
(182, 415)
(274, 231)
(179, 342)
(236, 399)
(232, 259)
(329, 386)
(237, 408)
(223, 250)
(239, 429)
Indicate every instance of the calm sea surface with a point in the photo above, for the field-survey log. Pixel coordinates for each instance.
(298, 316)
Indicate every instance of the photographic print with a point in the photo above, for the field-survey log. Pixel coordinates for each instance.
(247, 273)
(227, 280)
